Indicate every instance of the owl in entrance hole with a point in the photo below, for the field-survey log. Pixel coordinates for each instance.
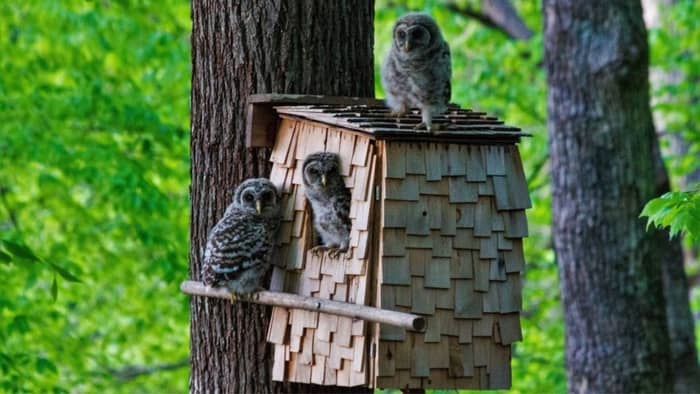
(417, 71)
(239, 246)
(330, 201)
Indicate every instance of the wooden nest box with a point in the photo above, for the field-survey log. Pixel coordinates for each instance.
(437, 228)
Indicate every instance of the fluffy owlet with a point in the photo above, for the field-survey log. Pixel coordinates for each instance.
(239, 247)
(330, 201)
(417, 71)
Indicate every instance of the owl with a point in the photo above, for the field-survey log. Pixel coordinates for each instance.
(330, 201)
(417, 70)
(239, 246)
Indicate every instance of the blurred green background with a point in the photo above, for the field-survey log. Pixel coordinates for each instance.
(94, 177)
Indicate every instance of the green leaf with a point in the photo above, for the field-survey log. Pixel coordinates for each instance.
(5, 258)
(64, 273)
(43, 365)
(20, 323)
(19, 250)
(54, 288)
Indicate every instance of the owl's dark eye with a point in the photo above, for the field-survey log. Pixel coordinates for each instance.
(313, 171)
(417, 34)
(266, 196)
(401, 34)
(248, 197)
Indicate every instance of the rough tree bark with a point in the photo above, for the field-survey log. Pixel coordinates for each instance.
(602, 144)
(240, 48)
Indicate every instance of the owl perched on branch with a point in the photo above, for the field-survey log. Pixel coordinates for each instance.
(330, 201)
(417, 71)
(239, 246)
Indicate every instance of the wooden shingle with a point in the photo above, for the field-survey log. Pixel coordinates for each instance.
(401, 189)
(482, 270)
(437, 273)
(417, 219)
(347, 147)
(423, 302)
(433, 163)
(509, 326)
(495, 160)
(456, 161)
(515, 261)
(468, 304)
(395, 162)
(361, 151)
(461, 264)
(396, 270)
(476, 167)
(415, 159)
(333, 140)
(461, 191)
(434, 188)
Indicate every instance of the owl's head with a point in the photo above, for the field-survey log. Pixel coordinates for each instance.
(320, 169)
(415, 32)
(257, 196)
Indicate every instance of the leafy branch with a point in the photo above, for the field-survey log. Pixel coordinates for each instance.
(677, 211)
(20, 253)
(134, 371)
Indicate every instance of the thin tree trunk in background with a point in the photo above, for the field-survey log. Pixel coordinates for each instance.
(240, 48)
(602, 144)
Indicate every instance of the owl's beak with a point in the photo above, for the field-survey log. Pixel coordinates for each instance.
(323, 180)
(258, 206)
(407, 46)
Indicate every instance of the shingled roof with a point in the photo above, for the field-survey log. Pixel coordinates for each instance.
(371, 117)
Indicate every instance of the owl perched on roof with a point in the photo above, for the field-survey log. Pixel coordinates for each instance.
(239, 247)
(417, 71)
(330, 201)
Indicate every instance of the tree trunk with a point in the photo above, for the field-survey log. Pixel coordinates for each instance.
(602, 144)
(240, 48)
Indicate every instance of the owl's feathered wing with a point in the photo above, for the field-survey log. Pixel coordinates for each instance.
(238, 249)
(446, 64)
(331, 212)
(340, 211)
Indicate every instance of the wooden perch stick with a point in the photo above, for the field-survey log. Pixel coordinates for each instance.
(368, 313)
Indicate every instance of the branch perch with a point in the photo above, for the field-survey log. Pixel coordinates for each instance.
(498, 14)
(368, 313)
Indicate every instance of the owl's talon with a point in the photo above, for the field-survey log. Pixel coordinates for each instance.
(252, 296)
(318, 250)
(421, 126)
(336, 252)
(333, 253)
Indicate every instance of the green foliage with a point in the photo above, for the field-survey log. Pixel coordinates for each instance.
(676, 53)
(677, 61)
(93, 194)
(679, 211)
